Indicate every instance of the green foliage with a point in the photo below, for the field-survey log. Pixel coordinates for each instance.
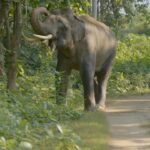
(140, 23)
(129, 15)
(131, 71)
(80, 6)
(29, 118)
(30, 59)
(88, 128)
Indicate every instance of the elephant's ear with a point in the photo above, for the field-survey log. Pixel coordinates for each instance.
(78, 29)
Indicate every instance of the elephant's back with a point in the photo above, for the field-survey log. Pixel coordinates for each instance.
(93, 22)
(99, 38)
(99, 30)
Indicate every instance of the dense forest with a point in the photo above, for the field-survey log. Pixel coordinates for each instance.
(29, 117)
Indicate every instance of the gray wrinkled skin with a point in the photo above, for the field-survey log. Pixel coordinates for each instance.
(82, 43)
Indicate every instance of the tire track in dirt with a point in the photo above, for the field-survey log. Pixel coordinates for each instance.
(126, 117)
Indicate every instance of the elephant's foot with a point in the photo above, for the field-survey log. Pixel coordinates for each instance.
(90, 108)
(100, 107)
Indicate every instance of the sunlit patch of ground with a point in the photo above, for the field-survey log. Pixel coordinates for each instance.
(127, 117)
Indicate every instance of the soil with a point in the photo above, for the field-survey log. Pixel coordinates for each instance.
(129, 123)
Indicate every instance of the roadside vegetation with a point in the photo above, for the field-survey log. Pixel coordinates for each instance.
(131, 72)
(29, 117)
(93, 130)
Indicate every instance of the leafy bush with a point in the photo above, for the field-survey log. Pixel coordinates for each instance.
(131, 72)
(29, 117)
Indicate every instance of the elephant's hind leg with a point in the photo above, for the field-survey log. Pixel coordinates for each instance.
(101, 82)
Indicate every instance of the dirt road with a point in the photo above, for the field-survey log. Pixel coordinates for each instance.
(127, 118)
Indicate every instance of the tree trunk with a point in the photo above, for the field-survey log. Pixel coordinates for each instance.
(94, 8)
(90, 8)
(98, 9)
(15, 45)
(4, 9)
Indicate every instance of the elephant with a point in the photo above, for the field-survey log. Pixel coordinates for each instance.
(82, 43)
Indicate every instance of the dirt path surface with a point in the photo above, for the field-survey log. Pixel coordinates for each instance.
(126, 118)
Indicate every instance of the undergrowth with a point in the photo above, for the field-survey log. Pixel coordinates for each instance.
(131, 72)
(29, 117)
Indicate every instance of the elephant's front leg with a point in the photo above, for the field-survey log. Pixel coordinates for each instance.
(61, 83)
(87, 75)
(62, 80)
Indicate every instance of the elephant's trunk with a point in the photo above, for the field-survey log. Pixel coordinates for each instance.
(37, 25)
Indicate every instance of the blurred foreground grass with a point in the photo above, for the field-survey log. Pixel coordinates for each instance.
(93, 130)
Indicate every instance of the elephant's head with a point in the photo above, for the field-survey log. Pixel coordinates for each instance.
(61, 27)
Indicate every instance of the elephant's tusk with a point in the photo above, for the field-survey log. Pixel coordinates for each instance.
(46, 37)
(30, 39)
